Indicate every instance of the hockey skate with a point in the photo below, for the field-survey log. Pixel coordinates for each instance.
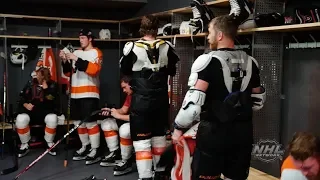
(202, 15)
(124, 167)
(240, 10)
(93, 157)
(24, 150)
(53, 151)
(81, 154)
(111, 159)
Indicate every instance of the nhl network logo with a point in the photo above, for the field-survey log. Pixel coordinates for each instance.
(267, 150)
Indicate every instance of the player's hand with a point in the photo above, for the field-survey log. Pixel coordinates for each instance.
(28, 106)
(71, 56)
(176, 136)
(115, 113)
(44, 84)
(105, 111)
(63, 56)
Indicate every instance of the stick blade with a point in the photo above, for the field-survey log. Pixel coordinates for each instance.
(9, 170)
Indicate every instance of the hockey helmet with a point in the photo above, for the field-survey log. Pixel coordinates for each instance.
(17, 56)
(105, 34)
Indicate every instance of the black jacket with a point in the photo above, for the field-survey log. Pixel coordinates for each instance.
(44, 100)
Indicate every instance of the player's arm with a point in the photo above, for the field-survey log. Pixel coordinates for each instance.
(173, 59)
(89, 67)
(195, 97)
(25, 92)
(128, 59)
(123, 110)
(258, 92)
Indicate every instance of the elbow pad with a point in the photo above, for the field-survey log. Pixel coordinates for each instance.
(190, 109)
(258, 99)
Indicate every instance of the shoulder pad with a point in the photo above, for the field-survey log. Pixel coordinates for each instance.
(255, 61)
(170, 44)
(127, 48)
(201, 63)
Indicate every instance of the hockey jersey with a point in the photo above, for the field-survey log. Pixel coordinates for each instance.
(290, 172)
(184, 152)
(85, 73)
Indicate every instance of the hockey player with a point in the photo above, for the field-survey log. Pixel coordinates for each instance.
(149, 61)
(110, 125)
(84, 65)
(303, 162)
(225, 84)
(38, 104)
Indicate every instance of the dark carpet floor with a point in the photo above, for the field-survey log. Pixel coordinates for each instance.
(51, 168)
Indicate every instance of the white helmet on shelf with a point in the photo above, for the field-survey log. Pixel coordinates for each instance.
(18, 57)
(105, 34)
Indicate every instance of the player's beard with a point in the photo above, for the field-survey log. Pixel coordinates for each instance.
(214, 45)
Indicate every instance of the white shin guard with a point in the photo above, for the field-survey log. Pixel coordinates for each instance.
(110, 130)
(94, 134)
(22, 124)
(51, 121)
(125, 141)
(83, 133)
(158, 147)
(143, 157)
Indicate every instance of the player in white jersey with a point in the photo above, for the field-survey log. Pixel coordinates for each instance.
(84, 66)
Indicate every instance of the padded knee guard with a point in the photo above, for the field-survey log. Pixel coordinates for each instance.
(110, 130)
(22, 124)
(51, 121)
(125, 141)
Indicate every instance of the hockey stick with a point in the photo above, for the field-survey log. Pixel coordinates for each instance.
(53, 146)
(65, 162)
(4, 112)
(92, 177)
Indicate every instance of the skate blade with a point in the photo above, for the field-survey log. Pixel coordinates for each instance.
(78, 158)
(53, 153)
(108, 164)
(21, 155)
(119, 173)
(94, 161)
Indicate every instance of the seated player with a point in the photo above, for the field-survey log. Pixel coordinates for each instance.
(110, 126)
(38, 105)
(304, 158)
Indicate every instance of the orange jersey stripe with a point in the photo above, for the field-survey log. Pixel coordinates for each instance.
(24, 130)
(85, 89)
(94, 68)
(158, 150)
(94, 130)
(50, 130)
(288, 164)
(143, 155)
(82, 130)
(125, 142)
(110, 133)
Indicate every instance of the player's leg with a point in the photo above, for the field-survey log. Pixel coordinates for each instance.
(51, 121)
(89, 105)
(23, 130)
(76, 116)
(125, 166)
(237, 163)
(158, 141)
(140, 127)
(110, 129)
(208, 158)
